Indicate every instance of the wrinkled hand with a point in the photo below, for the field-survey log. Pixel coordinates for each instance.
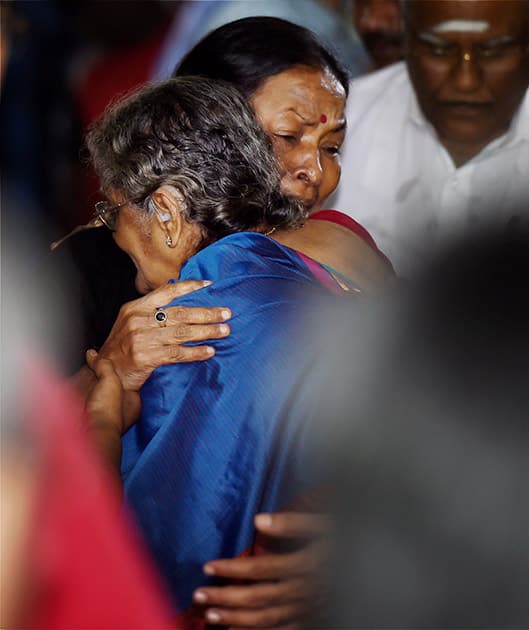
(279, 586)
(137, 344)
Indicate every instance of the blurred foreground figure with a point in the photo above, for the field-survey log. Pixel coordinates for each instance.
(70, 557)
(439, 144)
(432, 461)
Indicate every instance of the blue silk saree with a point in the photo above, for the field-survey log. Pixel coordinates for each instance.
(221, 440)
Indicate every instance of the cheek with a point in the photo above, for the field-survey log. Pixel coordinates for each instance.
(281, 156)
(331, 176)
(508, 88)
(428, 76)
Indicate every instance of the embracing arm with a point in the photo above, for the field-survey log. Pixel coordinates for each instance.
(278, 588)
(137, 343)
(104, 406)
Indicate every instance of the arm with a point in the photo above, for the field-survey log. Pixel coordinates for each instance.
(137, 344)
(104, 405)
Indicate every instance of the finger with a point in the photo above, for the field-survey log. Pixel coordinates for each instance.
(104, 369)
(197, 314)
(168, 292)
(252, 596)
(260, 618)
(183, 333)
(108, 380)
(292, 524)
(265, 567)
(91, 358)
(174, 353)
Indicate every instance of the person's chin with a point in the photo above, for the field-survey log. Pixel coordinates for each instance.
(309, 201)
(466, 124)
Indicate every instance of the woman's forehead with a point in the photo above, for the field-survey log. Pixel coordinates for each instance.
(302, 91)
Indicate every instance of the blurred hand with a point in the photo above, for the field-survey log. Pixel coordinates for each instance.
(137, 344)
(279, 587)
(104, 403)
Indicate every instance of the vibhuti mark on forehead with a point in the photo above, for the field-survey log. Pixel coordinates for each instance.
(461, 26)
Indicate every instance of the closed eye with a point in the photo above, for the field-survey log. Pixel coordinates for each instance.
(286, 137)
(334, 150)
(496, 50)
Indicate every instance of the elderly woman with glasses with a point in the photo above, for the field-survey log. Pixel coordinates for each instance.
(193, 192)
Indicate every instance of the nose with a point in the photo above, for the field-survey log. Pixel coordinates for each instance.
(307, 167)
(468, 76)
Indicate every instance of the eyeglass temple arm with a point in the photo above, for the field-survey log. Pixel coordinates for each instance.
(94, 223)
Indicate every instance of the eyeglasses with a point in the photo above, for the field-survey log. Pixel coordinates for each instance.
(108, 213)
(105, 214)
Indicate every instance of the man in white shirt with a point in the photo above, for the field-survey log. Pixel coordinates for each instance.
(440, 142)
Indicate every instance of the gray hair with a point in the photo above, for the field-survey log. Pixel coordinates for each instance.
(201, 137)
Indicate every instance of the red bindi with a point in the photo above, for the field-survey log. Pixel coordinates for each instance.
(323, 118)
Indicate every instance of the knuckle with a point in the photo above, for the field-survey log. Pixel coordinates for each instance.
(178, 313)
(134, 322)
(261, 598)
(124, 311)
(180, 333)
(179, 354)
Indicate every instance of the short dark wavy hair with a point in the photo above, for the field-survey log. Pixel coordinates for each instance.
(201, 137)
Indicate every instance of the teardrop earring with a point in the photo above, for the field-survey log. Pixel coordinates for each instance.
(168, 241)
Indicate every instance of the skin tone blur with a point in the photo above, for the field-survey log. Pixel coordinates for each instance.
(469, 64)
(378, 24)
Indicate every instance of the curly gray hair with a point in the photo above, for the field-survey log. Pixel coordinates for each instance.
(201, 137)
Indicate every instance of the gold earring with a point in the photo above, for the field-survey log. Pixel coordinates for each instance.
(466, 56)
(168, 241)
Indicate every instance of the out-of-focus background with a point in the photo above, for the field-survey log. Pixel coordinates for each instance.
(64, 62)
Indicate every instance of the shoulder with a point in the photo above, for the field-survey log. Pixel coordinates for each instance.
(244, 253)
(339, 218)
(247, 268)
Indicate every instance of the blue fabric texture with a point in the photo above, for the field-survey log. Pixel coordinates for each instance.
(222, 440)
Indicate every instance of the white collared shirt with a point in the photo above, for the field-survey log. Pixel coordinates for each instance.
(400, 182)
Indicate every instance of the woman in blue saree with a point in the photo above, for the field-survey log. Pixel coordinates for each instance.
(193, 191)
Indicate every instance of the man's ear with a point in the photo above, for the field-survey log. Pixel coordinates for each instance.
(167, 205)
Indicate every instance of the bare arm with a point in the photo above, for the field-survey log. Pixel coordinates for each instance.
(106, 422)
